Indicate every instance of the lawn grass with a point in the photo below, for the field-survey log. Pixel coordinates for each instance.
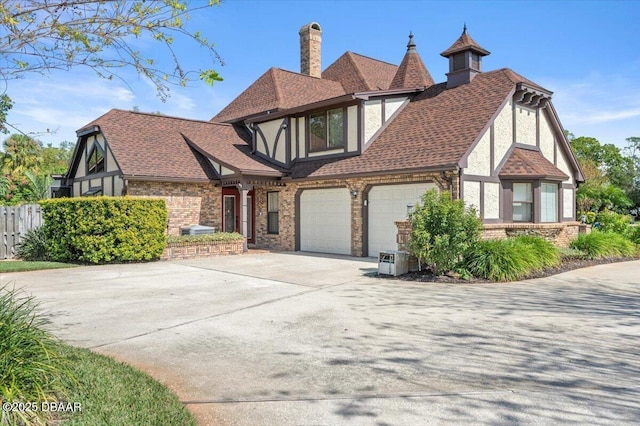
(21, 265)
(116, 394)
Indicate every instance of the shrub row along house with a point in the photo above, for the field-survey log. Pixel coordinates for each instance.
(328, 161)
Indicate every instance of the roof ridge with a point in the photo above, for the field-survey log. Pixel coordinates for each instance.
(358, 70)
(370, 58)
(172, 117)
(276, 87)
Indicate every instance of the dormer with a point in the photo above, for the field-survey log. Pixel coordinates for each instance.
(465, 60)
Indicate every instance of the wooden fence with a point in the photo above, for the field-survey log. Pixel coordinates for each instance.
(14, 223)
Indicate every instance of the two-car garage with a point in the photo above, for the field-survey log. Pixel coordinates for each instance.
(325, 216)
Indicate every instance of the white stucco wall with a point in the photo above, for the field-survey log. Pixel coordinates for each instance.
(269, 130)
(525, 125)
(107, 188)
(567, 203)
(491, 200)
(281, 148)
(100, 140)
(563, 164)
(118, 185)
(472, 194)
(391, 105)
(111, 162)
(546, 137)
(372, 118)
(502, 133)
(479, 160)
(76, 189)
(293, 126)
(352, 128)
(225, 171)
(301, 137)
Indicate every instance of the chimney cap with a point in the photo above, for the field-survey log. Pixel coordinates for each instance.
(310, 26)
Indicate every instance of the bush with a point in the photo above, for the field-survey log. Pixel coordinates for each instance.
(442, 229)
(633, 234)
(31, 364)
(511, 259)
(218, 236)
(603, 244)
(104, 229)
(613, 222)
(33, 245)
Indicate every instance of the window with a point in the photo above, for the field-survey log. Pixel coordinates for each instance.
(475, 61)
(272, 213)
(549, 202)
(522, 202)
(458, 62)
(326, 130)
(95, 160)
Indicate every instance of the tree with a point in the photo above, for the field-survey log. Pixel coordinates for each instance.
(55, 160)
(21, 153)
(42, 35)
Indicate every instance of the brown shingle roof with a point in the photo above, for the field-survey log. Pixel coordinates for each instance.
(278, 89)
(464, 42)
(359, 73)
(151, 145)
(525, 163)
(411, 73)
(433, 131)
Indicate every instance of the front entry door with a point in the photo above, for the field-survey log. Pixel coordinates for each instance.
(231, 211)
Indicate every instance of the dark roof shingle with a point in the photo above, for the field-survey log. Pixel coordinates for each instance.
(151, 145)
(359, 73)
(277, 90)
(525, 163)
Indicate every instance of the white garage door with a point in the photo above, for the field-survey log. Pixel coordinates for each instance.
(325, 220)
(388, 204)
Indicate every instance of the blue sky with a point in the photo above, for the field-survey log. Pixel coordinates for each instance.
(586, 52)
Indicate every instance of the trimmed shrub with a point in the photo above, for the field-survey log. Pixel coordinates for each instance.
(442, 229)
(603, 244)
(104, 229)
(613, 222)
(511, 258)
(33, 245)
(31, 360)
(218, 236)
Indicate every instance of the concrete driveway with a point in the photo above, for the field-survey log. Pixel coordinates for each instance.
(292, 339)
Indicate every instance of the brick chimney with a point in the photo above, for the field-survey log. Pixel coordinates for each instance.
(310, 43)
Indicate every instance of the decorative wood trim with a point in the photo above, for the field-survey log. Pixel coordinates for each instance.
(492, 149)
(476, 178)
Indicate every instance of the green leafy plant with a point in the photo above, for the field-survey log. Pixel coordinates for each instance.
(104, 229)
(33, 245)
(511, 258)
(604, 244)
(633, 234)
(31, 364)
(442, 230)
(613, 222)
(218, 236)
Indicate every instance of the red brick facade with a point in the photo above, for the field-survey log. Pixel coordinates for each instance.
(187, 203)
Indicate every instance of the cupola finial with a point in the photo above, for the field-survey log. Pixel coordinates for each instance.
(464, 29)
(411, 45)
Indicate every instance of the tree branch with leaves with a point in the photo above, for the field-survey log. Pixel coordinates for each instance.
(37, 36)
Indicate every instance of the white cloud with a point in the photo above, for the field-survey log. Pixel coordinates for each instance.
(606, 107)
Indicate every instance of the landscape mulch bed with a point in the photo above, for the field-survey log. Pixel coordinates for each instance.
(567, 264)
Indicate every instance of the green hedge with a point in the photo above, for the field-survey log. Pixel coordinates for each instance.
(104, 229)
(204, 238)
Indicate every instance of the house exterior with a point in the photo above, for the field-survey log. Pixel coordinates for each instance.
(328, 161)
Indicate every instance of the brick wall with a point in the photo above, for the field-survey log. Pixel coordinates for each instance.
(192, 250)
(285, 239)
(187, 203)
(560, 234)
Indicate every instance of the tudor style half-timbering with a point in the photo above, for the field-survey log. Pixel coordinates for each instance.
(329, 161)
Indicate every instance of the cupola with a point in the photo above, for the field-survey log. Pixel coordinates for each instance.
(465, 60)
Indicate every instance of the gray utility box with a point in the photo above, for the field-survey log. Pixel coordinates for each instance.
(393, 262)
(197, 230)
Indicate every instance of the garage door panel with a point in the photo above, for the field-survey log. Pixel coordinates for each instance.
(386, 205)
(325, 221)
